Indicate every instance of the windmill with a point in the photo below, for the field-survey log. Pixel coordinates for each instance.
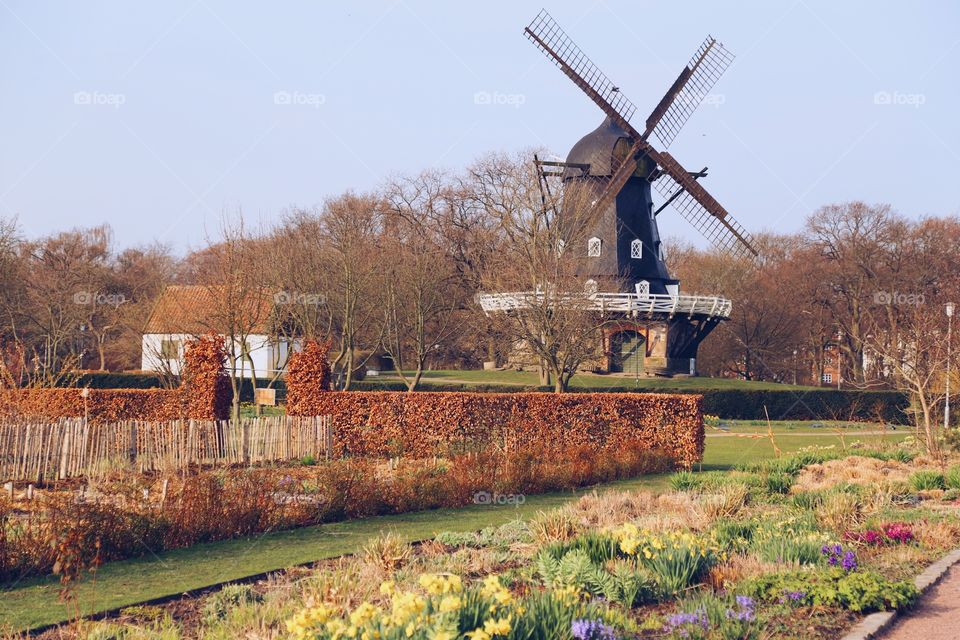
(653, 327)
(621, 165)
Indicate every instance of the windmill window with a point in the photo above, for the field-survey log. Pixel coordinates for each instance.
(593, 248)
(560, 246)
(827, 378)
(636, 249)
(643, 290)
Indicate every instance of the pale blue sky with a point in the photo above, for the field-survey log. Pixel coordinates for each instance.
(183, 120)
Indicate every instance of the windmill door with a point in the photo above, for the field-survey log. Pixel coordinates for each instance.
(628, 350)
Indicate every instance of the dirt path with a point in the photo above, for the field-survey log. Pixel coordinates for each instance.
(937, 616)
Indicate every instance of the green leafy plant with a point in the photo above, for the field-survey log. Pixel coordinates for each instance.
(926, 480)
(790, 540)
(684, 481)
(218, 604)
(734, 535)
(859, 591)
(952, 477)
(677, 560)
(779, 482)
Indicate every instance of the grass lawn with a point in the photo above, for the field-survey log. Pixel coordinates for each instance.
(593, 381)
(35, 603)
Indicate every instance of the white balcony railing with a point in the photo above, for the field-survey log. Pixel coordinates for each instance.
(629, 303)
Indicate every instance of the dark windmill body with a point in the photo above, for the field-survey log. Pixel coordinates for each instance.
(650, 327)
(626, 239)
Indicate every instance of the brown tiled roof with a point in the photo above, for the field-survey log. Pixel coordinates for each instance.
(199, 309)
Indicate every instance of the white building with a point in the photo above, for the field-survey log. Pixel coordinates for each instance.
(184, 312)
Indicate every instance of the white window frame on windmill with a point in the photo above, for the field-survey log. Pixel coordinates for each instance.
(636, 249)
(594, 247)
(561, 245)
(591, 287)
(643, 290)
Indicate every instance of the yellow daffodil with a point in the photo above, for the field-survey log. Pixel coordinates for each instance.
(497, 627)
(449, 603)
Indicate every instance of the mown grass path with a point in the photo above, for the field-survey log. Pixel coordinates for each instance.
(35, 603)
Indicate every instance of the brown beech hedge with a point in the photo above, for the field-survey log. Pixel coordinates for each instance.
(442, 424)
(101, 405)
(308, 377)
(204, 395)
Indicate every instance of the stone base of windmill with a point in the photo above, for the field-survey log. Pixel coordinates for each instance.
(654, 346)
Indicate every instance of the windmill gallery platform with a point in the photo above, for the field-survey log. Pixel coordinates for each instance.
(648, 326)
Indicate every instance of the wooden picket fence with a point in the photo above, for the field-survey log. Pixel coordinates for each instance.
(37, 451)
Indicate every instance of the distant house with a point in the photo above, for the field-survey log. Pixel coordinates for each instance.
(184, 312)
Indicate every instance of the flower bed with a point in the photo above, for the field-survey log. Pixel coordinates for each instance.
(727, 556)
(130, 516)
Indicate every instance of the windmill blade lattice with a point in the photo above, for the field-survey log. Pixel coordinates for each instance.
(689, 90)
(700, 209)
(547, 35)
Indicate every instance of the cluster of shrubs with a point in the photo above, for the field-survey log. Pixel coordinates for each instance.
(63, 532)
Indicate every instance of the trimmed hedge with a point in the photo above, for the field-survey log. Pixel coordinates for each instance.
(114, 380)
(204, 395)
(442, 424)
(729, 404)
(820, 404)
(102, 405)
(308, 378)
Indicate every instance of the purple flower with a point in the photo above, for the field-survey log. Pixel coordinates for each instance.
(744, 611)
(678, 621)
(795, 596)
(592, 630)
(846, 560)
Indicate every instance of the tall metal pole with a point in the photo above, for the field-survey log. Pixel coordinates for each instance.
(946, 404)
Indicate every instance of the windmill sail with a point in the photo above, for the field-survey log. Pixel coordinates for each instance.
(688, 91)
(699, 208)
(674, 183)
(547, 35)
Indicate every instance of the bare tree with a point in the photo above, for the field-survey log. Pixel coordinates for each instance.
(421, 290)
(351, 226)
(541, 252)
(242, 300)
(853, 238)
